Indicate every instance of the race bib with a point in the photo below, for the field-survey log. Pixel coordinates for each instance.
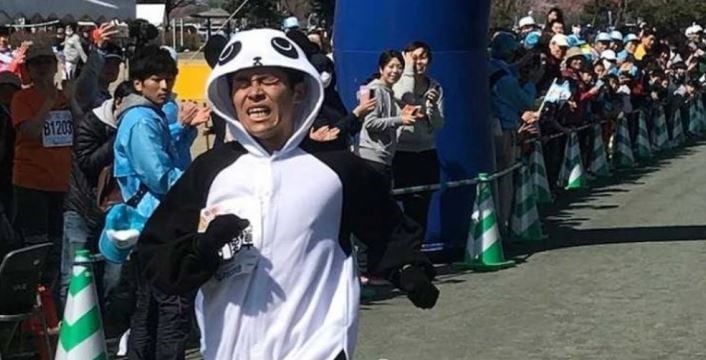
(58, 129)
(241, 254)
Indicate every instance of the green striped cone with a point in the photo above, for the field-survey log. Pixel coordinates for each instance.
(678, 137)
(81, 334)
(599, 161)
(538, 172)
(525, 224)
(643, 142)
(484, 251)
(572, 175)
(694, 121)
(659, 131)
(622, 155)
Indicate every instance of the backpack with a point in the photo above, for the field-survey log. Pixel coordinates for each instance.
(108, 191)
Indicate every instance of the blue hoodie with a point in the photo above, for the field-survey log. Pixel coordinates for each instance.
(146, 153)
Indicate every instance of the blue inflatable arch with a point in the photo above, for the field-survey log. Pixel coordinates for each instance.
(456, 31)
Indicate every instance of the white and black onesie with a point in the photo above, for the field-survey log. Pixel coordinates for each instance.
(290, 290)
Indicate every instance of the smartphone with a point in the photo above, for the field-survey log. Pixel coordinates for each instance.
(364, 93)
(371, 93)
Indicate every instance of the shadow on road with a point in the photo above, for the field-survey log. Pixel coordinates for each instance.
(561, 224)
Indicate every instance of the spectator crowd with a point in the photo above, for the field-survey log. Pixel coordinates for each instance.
(84, 164)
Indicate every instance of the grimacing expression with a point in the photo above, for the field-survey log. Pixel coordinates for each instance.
(391, 72)
(265, 102)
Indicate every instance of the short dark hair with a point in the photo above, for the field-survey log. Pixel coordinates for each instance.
(387, 55)
(123, 89)
(414, 45)
(152, 60)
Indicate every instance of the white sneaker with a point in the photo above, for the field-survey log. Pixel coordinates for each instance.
(122, 345)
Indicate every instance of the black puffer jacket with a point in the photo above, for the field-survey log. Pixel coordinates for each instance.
(93, 150)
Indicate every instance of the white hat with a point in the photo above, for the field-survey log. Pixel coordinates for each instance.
(290, 23)
(630, 37)
(526, 21)
(603, 36)
(616, 35)
(560, 40)
(263, 48)
(609, 55)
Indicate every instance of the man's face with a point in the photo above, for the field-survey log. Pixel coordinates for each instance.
(557, 51)
(265, 103)
(421, 60)
(558, 28)
(156, 88)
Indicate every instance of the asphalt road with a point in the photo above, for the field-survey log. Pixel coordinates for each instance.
(621, 277)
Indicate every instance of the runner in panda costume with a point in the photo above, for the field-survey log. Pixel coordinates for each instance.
(261, 227)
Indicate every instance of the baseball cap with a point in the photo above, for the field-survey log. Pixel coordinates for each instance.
(616, 35)
(603, 36)
(7, 77)
(630, 37)
(560, 40)
(290, 23)
(609, 55)
(527, 21)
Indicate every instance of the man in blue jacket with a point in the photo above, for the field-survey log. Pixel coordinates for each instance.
(148, 162)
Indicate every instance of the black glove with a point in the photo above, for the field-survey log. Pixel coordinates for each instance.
(220, 231)
(418, 286)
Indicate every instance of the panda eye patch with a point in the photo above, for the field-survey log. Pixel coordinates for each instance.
(284, 47)
(230, 52)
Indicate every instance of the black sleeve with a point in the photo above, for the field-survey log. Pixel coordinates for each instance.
(93, 146)
(166, 250)
(349, 125)
(372, 215)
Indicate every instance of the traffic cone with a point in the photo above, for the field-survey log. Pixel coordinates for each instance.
(572, 175)
(643, 143)
(81, 333)
(622, 153)
(484, 251)
(525, 224)
(678, 137)
(538, 173)
(660, 138)
(599, 161)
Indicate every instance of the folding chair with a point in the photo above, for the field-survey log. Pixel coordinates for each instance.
(20, 275)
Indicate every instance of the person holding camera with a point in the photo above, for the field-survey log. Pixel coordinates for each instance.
(416, 161)
(378, 137)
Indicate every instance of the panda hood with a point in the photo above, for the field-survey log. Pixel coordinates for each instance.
(252, 49)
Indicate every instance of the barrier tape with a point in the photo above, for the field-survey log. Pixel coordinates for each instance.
(491, 177)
